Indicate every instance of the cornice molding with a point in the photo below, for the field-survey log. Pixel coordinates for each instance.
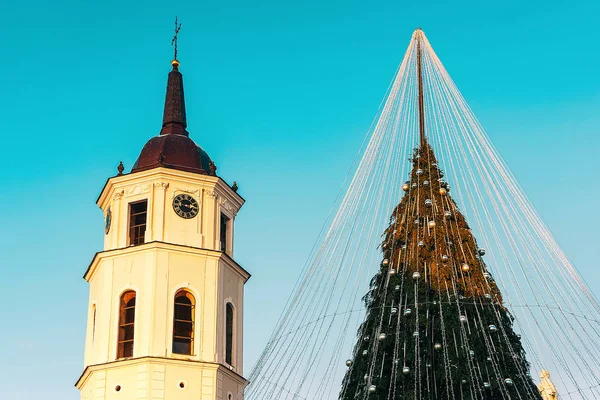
(119, 182)
(157, 245)
(87, 372)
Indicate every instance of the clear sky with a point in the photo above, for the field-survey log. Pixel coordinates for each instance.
(280, 95)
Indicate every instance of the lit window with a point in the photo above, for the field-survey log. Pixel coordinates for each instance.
(183, 323)
(229, 334)
(126, 325)
(137, 222)
(224, 232)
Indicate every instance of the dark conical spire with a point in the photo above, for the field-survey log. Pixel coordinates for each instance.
(173, 148)
(174, 119)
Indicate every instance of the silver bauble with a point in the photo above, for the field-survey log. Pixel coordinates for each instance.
(509, 382)
(372, 389)
(493, 328)
(394, 311)
(447, 214)
(428, 203)
(425, 183)
(365, 352)
(463, 318)
(437, 346)
(481, 252)
(416, 275)
(414, 185)
(407, 312)
(432, 224)
(382, 336)
(386, 262)
(406, 370)
(419, 172)
(397, 287)
(486, 385)
(392, 271)
(421, 243)
(471, 353)
(445, 258)
(348, 363)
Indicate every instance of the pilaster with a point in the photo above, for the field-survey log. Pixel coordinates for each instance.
(159, 208)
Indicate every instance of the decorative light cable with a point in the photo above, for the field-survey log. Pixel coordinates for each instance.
(555, 312)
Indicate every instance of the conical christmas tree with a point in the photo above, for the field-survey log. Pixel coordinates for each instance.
(436, 326)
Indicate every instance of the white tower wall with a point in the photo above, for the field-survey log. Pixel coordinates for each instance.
(177, 254)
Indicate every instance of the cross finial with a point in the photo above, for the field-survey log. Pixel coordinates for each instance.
(174, 41)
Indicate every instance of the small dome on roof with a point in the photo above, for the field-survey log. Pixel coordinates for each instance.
(173, 151)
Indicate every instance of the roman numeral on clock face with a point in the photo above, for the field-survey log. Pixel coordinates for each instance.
(185, 206)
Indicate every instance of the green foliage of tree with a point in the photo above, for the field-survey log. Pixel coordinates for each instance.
(436, 326)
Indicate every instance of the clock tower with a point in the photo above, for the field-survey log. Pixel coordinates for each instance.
(165, 315)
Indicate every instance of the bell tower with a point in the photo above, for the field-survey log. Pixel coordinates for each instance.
(165, 315)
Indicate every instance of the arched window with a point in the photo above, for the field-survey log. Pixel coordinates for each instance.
(183, 323)
(93, 322)
(229, 312)
(126, 325)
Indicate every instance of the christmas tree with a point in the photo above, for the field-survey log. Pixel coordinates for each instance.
(439, 311)
(436, 326)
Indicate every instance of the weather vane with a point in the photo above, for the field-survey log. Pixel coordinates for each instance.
(174, 41)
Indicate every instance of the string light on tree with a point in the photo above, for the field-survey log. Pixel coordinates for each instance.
(446, 311)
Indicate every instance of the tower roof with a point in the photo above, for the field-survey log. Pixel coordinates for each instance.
(173, 148)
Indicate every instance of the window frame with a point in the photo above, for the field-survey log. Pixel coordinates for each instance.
(229, 342)
(192, 312)
(136, 234)
(123, 339)
(93, 322)
(225, 233)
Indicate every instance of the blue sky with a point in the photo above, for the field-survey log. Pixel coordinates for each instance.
(280, 95)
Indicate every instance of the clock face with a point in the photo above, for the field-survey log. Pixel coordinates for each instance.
(185, 206)
(107, 221)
